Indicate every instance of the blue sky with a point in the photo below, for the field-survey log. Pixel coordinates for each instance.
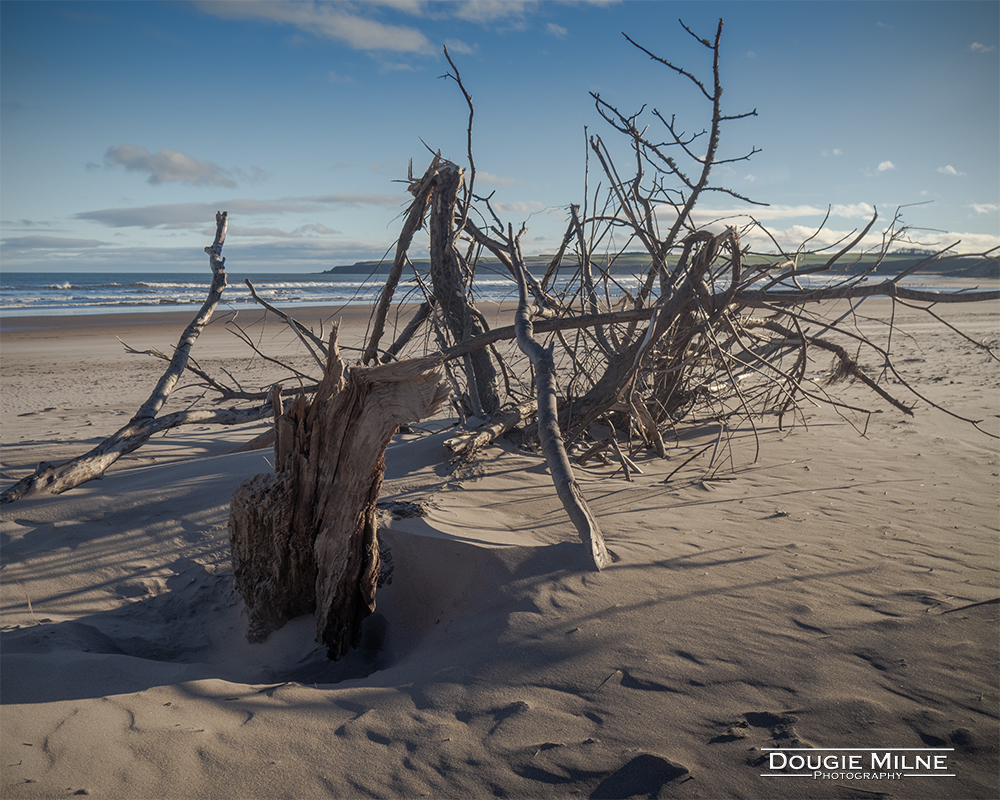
(125, 125)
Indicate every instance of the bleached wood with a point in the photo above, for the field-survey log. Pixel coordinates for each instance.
(549, 434)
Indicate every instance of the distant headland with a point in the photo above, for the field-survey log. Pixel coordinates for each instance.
(892, 264)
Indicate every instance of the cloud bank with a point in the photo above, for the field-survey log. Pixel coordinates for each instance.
(196, 215)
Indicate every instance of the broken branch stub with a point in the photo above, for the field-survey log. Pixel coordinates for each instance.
(304, 537)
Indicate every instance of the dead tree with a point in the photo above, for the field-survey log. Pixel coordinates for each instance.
(58, 478)
(448, 304)
(304, 537)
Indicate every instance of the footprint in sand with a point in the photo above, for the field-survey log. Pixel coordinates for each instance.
(778, 728)
(135, 587)
(934, 730)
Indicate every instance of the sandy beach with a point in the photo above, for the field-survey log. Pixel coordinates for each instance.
(841, 591)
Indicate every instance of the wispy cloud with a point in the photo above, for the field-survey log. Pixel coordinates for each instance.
(312, 230)
(168, 166)
(395, 66)
(836, 151)
(978, 47)
(353, 199)
(460, 47)
(25, 224)
(25, 243)
(556, 30)
(490, 179)
(489, 11)
(522, 209)
(703, 216)
(186, 216)
(949, 170)
(885, 166)
(340, 22)
(985, 208)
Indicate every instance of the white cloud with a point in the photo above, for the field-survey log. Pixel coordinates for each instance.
(977, 47)
(790, 238)
(458, 46)
(750, 178)
(490, 179)
(486, 11)
(885, 166)
(836, 151)
(168, 166)
(338, 22)
(949, 170)
(967, 242)
(985, 208)
(852, 210)
(556, 30)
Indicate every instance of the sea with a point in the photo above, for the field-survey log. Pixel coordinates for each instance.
(59, 293)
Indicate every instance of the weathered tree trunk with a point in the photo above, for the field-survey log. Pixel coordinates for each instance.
(304, 538)
(451, 288)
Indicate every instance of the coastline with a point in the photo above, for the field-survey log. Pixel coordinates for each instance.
(11, 321)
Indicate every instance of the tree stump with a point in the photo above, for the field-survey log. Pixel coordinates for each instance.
(304, 537)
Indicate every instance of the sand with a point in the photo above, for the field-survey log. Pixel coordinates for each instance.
(839, 592)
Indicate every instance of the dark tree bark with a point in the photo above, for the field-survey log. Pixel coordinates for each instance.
(451, 288)
(304, 538)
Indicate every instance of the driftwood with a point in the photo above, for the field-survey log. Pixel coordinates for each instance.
(467, 443)
(697, 329)
(549, 436)
(304, 537)
(55, 479)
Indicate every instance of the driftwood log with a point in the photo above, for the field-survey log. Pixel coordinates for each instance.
(304, 537)
(58, 478)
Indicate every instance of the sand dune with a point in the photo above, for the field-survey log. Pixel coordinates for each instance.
(839, 592)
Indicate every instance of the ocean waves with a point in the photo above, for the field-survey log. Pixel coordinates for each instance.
(92, 293)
